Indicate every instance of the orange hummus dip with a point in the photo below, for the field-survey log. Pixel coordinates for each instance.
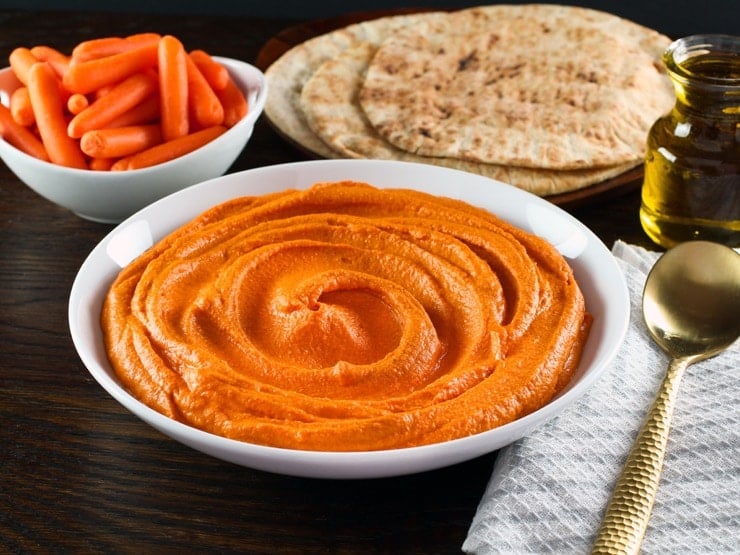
(344, 318)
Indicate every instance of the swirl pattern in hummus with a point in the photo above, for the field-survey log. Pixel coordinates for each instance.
(344, 318)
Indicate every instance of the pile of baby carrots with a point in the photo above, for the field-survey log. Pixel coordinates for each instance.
(118, 103)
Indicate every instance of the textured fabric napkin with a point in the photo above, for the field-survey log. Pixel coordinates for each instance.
(548, 491)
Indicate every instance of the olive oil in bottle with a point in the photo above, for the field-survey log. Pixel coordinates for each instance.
(691, 188)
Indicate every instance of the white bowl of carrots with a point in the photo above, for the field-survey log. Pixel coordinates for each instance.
(121, 122)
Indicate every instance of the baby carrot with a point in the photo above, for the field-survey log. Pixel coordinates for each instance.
(173, 88)
(46, 99)
(120, 99)
(76, 103)
(141, 39)
(19, 136)
(108, 46)
(146, 111)
(58, 61)
(101, 164)
(234, 103)
(97, 48)
(205, 107)
(216, 74)
(20, 107)
(120, 141)
(85, 77)
(102, 91)
(21, 59)
(170, 150)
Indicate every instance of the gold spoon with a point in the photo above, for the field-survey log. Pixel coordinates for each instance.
(691, 305)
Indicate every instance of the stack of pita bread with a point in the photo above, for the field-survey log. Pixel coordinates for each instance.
(545, 97)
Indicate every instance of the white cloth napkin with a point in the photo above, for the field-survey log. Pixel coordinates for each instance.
(548, 491)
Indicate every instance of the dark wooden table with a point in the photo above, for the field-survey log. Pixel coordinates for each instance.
(78, 473)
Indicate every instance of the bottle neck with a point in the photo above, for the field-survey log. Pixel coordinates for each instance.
(705, 71)
(698, 99)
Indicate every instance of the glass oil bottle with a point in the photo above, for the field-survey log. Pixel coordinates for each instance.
(691, 187)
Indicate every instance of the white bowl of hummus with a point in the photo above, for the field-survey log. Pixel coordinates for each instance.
(348, 318)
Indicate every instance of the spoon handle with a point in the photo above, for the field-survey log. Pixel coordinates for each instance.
(628, 512)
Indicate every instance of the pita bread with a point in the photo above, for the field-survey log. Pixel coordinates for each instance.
(536, 85)
(330, 104)
(287, 75)
(315, 93)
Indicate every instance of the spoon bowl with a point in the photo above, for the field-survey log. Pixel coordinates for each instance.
(691, 306)
(691, 301)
